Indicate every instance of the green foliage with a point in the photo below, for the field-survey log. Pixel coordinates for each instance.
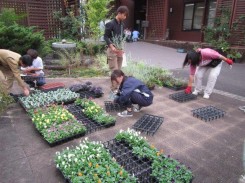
(96, 11)
(5, 99)
(219, 35)
(90, 48)
(19, 39)
(70, 24)
(8, 16)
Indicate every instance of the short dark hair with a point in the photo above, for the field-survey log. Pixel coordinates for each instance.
(115, 74)
(123, 10)
(193, 56)
(33, 53)
(26, 60)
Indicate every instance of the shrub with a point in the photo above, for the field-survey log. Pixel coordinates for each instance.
(5, 99)
(19, 39)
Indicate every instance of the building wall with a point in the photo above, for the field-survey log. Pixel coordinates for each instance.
(175, 21)
(157, 19)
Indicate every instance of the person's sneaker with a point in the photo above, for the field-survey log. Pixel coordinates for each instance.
(125, 114)
(206, 96)
(136, 108)
(195, 92)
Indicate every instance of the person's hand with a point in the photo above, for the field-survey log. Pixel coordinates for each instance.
(229, 61)
(26, 91)
(188, 90)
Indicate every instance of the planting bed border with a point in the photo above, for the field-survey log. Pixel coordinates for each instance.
(208, 113)
(148, 124)
(182, 97)
(122, 152)
(113, 107)
(90, 125)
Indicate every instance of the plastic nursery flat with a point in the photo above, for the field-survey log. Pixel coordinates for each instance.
(88, 94)
(113, 107)
(122, 152)
(90, 125)
(30, 78)
(208, 113)
(182, 97)
(148, 124)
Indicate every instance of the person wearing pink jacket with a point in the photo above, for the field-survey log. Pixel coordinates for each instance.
(201, 61)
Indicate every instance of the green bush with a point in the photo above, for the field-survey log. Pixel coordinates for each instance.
(19, 39)
(8, 16)
(91, 48)
(5, 100)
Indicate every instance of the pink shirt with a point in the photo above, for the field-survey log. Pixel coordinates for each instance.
(207, 55)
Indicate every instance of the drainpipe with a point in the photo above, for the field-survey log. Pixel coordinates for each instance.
(233, 8)
(204, 20)
(146, 18)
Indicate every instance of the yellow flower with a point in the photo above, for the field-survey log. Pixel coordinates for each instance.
(89, 164)
(96, 166)
(121, 172)
(152, 146)
(99, 181)
(108, 173)
(95, 175)
(80, 174)
(158, 153)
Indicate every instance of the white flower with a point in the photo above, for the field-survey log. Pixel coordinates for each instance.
(57, 153)
(57, 166)
(63, 163)
(59, 157)
(67, 148)
(75, 159)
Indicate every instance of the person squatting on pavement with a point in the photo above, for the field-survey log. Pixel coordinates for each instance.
(115, 29)
(201, 61)
(132, 93)
(35, 70)
(9, 69)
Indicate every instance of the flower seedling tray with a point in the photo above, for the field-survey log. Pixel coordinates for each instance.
(91, 125)
(182, 97)
(208, 113)
(61, 141)
(175, 88)
(113, 107)
(87, 90)
(122, 152)
(148, 124)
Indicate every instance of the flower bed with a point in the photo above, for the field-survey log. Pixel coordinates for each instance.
(90, 162)
(56, 124)
(95, 112)
(164, 168)
(40, 99)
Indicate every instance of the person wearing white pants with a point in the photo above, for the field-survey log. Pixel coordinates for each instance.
(200, 62)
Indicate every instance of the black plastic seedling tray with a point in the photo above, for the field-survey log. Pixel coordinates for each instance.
(122, 152)
(113, 107)
(31, 78)
(148, 124)
(91, 125)
(208, 113)
(88, 94)
(182, 97)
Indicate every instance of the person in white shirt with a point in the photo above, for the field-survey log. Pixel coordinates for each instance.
(36, 70)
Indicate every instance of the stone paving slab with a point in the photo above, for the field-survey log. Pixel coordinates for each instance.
(212, 149)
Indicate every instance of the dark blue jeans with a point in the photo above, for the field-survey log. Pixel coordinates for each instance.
(140, 99)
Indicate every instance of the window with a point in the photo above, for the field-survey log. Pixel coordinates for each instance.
(193, 15)
(211, 13)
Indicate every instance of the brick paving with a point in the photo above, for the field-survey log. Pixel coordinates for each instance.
(212, 149)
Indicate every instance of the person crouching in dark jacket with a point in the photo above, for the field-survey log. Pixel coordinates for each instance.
(132, 93)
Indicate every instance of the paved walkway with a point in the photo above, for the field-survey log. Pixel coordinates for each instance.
(213, 149)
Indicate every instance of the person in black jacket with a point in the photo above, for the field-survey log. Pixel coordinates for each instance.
(132, 93)
(114, 33)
